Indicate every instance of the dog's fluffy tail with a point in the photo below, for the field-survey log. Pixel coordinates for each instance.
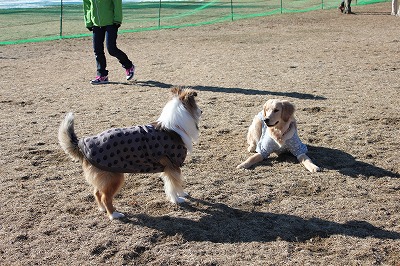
(172, 182)
(68, 139)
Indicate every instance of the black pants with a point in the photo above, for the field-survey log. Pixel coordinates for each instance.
(347, 8)
(109, 34)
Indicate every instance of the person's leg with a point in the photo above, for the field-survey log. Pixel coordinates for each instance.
(347, 7)
(98, 47)
(398, 8)
(341, 6)
(111, 42)
(395, 8)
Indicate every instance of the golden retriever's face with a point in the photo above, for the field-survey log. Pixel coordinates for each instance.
(277, 111)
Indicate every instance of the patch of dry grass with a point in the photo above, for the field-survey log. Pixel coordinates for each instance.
(340, 71)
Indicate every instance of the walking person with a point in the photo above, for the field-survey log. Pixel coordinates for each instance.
(345, 7)
(104, 17)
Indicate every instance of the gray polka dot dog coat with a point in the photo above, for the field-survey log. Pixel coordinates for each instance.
(133, 150)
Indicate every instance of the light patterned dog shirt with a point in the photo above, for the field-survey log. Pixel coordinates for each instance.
(268, 145)
(133, 150)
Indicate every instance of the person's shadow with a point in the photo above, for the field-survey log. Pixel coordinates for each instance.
(223, 224)
(157, 84)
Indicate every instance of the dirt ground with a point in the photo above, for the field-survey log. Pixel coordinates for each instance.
(341, 71)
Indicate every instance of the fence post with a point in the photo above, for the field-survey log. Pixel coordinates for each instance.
(159, 15)
(232, 10)
(281, 6)
(61, 17)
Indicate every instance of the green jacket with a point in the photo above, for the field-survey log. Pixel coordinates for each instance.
(102, 12)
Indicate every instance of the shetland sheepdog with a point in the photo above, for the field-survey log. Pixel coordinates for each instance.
(158, 147)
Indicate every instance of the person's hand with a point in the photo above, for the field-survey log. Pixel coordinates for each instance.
(117, 25)
(90, 28)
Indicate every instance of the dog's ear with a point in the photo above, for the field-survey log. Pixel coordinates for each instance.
(187, 94)
(176, 90)
(287, 110)
(265, 107)
(183, 93)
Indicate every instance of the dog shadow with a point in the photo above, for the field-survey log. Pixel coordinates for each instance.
(223, 224)
(333, 159)
(157, 84)
(345, 163)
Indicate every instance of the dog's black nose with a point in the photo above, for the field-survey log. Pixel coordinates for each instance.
(266, 121)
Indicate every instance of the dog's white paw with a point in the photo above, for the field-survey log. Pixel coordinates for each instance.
(183, 194)
(316, 169)
(242, 166)
(102, 209)
(251, 148)
(116, 215)
(177, 200)
(180, 200)
(313, 168)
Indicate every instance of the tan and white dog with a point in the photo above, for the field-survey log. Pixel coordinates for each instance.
(159, 147)
(274, 129)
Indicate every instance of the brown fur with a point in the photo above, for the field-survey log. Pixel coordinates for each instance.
(107, 184)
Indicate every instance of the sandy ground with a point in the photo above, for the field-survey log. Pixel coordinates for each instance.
(341, 71)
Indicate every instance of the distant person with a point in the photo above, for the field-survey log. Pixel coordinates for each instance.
(345, 7)
(104, 17)
(395, 8)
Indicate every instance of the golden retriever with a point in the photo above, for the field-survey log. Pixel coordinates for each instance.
(159, 147)
(274, 129)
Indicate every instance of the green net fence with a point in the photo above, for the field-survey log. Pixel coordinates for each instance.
(21, 25)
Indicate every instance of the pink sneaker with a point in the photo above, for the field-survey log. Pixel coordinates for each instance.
(130, 72)
(99, 80)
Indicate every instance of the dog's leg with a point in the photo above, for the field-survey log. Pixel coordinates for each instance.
(308, 164)
(113, 182)
(255, 158)
(97, 196)
(172, 182)
(106, 185)
(254, 134)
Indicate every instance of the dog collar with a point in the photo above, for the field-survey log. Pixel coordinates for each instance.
(289, 128)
